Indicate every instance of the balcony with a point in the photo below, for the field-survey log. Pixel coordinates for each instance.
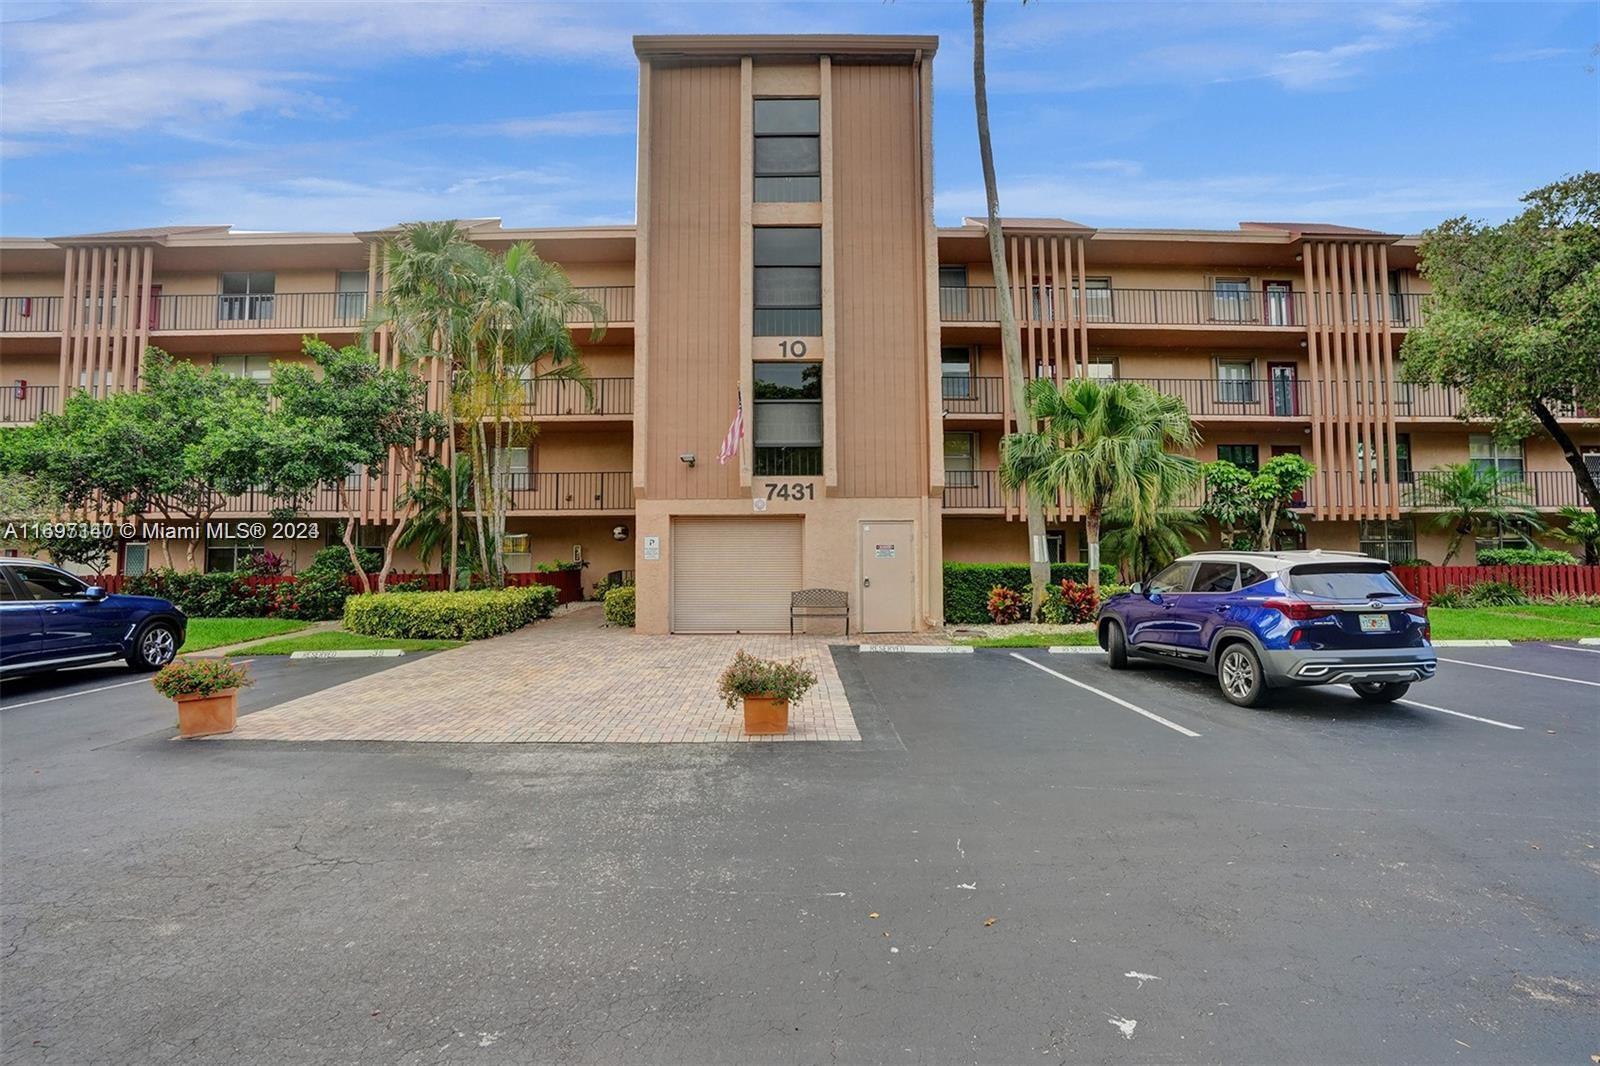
(974, 490)
(30, 314)
(558, 399)
(19, 406)
(603, 492)
(1236, 397)
(1161, 307)
(966, 395)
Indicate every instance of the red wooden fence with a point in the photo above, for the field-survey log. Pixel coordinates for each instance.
(1424, 581)
(567, 583)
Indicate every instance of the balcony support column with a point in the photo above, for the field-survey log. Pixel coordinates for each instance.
(1312, 317)
(1386, 346)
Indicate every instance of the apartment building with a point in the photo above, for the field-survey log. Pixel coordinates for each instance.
(785, 270)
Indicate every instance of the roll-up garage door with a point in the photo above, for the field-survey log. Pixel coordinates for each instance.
(733, 575)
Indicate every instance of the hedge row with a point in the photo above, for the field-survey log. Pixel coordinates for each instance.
(470, 615)
(967, 585)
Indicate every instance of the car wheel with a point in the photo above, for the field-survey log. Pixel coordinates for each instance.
(1116, 647)
(154, 646)
(1240, 677)
(1381, 691)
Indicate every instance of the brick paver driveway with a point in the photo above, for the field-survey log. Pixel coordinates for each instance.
(567, 679)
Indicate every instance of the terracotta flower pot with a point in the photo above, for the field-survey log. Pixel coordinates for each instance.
(204, 716)
(764, 715)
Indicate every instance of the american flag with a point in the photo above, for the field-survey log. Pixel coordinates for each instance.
(730, 443)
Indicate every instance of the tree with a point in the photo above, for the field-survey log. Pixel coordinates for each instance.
(1010, 336)
(175, 448)
(1514, 319)
(1141, 549)
(1249, 507)
(1106, 446)
(80, 549)
(342, 415)
(1475, 499)
(429, 272)
(429, 531)
(1582, 528)
(520, 339)
(25, 502)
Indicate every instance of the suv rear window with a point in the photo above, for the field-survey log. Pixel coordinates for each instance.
(1344, 581)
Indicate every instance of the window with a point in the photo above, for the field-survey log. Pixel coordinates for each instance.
(1489, 454)
(1102, 370)
(515, 550)
(224, 555)
(788, 419)
(1499, 535)
(954, 300)
(1055, 542)
(960, 460)
(255, 367)
(1174, 578)
(1231, 299)
(247, 296)
(1096, 299)
(1250, 575)
(1344, 581)
(1402, 459)
(788, 151)
(1244, 456)
(1215, 577)
(1236, 381)
(1395, 541)
(955, 370)
(513, 469)
(788, 281)
(135, 559)
(952, 275)
(351, 302)
(45, 583)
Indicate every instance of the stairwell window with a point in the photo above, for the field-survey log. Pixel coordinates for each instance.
(247, 296)
(788, 151)
(788, 281)
(788, 419)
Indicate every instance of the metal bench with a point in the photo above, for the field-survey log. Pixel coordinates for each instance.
(819, 603)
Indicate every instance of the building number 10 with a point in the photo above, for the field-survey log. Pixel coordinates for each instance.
(792, 349)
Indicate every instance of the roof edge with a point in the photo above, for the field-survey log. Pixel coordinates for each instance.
(729, 46)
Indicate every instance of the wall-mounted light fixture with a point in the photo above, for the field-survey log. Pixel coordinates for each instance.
(687, 457)
(621, 532)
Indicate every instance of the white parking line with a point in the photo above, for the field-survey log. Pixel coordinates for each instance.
(1525, 673)
(1106, 695)
(81, 692)
(1569, 647)
(1458, 714)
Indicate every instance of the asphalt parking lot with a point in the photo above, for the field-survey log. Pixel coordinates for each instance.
(1012, 866)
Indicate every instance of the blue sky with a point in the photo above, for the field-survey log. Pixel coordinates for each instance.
(288, 116)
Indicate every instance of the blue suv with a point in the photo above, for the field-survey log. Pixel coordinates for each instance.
(1263, 620)
(50, 620)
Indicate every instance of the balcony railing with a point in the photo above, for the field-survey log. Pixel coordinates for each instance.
(27, 404)
(30, 314)
(322, 501)
(607, 396)
(576, 491)
(1236, 397)
(967, 395)
(1161, 307)
(973, 490)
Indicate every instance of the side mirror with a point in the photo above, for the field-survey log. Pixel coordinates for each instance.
(94, 593)
(1137, 588)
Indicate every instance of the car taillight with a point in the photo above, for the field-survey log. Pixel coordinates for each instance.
(1427, 627)
(1297, 610)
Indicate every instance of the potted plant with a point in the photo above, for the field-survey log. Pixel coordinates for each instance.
(765, 686)
(207, 694)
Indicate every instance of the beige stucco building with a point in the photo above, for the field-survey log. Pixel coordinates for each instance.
(785, 258)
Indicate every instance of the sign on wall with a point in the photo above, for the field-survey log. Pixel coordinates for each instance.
(652, 548)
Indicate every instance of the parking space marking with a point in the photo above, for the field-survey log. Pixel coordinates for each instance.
(81, 692)
(1525, 673)
(1106, 695)
(1458, 714)
(1569, 647)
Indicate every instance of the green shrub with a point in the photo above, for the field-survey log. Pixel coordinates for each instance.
(1494, 594)
(1413, 562)
(967, 585)
(605, 585)
(750, 676)
(471, 615)
(216, 595)
(1053, 611)
(620, 606)
(1448, 597)
(1525, 557)
(198, 677)
(314, 595)
(336, 558)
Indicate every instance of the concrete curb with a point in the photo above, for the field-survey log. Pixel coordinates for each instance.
(350, 653)
(1472, 644)
(246, 645)
(1074, 649)
(1589, 640)
(920, 649)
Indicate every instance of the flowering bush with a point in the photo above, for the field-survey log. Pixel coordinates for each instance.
(750, 676)
(262, 564)
(1079, 602)
(198, 677)
(1005, 605)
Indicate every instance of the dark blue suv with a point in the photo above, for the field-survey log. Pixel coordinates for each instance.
(1263, 620)
(50, 620)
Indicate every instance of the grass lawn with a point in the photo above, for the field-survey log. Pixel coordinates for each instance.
(206, 633)
(1033, 640)
(1533, 622)
(339, 640)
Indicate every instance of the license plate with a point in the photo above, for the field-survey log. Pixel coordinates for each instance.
(1374, 623)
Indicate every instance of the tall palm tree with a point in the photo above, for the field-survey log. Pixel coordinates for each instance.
(1582, 529)
(429, 530)
(1475, 498)
(1141, 549)
(429, 271)
(1010, 336)
(1106, 446)
(521, 307)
